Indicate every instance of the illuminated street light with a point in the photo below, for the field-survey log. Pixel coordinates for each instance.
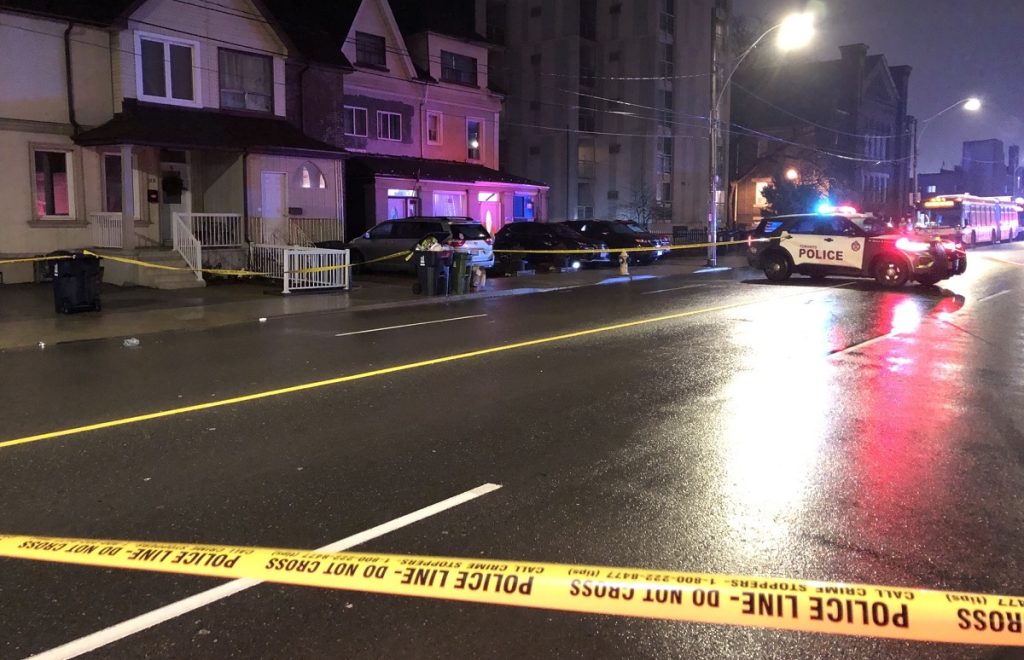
(792, 174)
(970, 104)
(795, 31)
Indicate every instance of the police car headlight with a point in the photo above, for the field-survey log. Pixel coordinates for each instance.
(908, 245)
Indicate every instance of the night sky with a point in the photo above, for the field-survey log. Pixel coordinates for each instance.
(957, 48)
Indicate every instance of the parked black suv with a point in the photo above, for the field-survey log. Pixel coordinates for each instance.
(550, 236)
(619, 234)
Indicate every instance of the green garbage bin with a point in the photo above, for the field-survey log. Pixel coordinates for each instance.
(460, 273)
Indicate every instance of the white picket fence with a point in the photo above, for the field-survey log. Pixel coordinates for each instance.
(301, 268)
(217, 230)
(106, 230)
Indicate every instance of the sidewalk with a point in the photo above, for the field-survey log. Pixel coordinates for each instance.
(27, 316)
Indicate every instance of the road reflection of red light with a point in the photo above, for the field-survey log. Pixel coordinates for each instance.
(907, 383)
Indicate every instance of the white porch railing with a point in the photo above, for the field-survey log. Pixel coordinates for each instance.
(106, 230)
(186, 244)
(309, 231)
(301, 268)
(217, 230)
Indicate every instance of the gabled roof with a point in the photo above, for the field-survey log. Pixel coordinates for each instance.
(185, 128)
(433, 170)
(94, 12)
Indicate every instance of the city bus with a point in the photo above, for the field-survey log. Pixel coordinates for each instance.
(973, 219)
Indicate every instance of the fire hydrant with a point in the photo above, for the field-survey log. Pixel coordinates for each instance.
(623, 263)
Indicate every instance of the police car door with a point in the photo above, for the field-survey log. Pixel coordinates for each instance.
(802, 241)
(844, 245)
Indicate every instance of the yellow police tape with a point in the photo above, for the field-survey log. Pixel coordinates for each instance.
(652, 248)
(237, 273)
(823, 607)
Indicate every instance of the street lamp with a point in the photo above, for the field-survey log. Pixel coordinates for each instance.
(971, 104)
(795, 31)
(792, 174)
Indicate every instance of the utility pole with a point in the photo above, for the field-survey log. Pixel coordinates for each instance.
(714, 136)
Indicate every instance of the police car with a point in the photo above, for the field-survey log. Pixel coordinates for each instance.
(839, 241)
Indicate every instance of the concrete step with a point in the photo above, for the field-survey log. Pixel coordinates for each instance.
(160, 278)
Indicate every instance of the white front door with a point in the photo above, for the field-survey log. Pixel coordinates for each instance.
(175, 196)
(274, 206)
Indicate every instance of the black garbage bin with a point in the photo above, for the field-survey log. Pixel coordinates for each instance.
(76, 283)
(432, 272)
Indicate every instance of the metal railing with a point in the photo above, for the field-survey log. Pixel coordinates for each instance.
(309, 231)
(186, 244)
(217, 230)
(301, 268)
(106, 230)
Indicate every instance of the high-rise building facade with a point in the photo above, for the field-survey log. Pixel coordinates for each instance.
(607, 103)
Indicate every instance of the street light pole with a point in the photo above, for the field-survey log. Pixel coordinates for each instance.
(796, 31)
(971, 104)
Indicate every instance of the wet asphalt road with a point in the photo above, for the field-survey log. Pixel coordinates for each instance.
(758, 435)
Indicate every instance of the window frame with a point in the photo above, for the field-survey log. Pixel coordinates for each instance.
(366, 121)
(71, 169)
(390, 137)
(384, 51)
(473, 82)
(220, 83)
(439, 139)
(166, 41)
(480, 140)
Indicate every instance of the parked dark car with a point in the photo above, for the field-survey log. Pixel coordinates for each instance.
(392, 236)
(619, 234)
(551, 236)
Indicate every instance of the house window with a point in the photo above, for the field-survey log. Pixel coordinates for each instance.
(389, 126)
(54, 194)
(370, 50)
(760, 201)
(246, 81)
(433, 128)
(932, 189)
(522, 207)
(355, 121)
(474, 138)
(458, 69)
(450, 203)
(310, 175)
(166, 70)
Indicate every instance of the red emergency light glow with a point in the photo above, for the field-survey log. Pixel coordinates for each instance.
(911, 246)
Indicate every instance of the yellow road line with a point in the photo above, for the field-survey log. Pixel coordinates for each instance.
(172, 412)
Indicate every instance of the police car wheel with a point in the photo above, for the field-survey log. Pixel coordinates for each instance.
(776, 267)
(891, 271)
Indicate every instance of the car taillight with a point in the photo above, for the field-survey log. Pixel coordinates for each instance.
(457, 242)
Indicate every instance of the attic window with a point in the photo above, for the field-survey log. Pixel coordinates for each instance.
(370, 50)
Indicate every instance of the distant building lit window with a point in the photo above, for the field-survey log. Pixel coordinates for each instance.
(760, 201)
(474, 138)
(933, 189)
(433, 128)
(389, 126)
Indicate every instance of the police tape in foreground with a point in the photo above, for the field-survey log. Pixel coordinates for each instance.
(801, 605)
(650, 248)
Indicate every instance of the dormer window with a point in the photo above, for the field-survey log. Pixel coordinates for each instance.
(458, 69)
(166, 71)
(246, 81)
(371, 50)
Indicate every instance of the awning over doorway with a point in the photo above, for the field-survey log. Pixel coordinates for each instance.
(432, 170)
(183, 128)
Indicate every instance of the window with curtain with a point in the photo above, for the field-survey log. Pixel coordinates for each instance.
(246, 81)
(450, 203)
(53, 192)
